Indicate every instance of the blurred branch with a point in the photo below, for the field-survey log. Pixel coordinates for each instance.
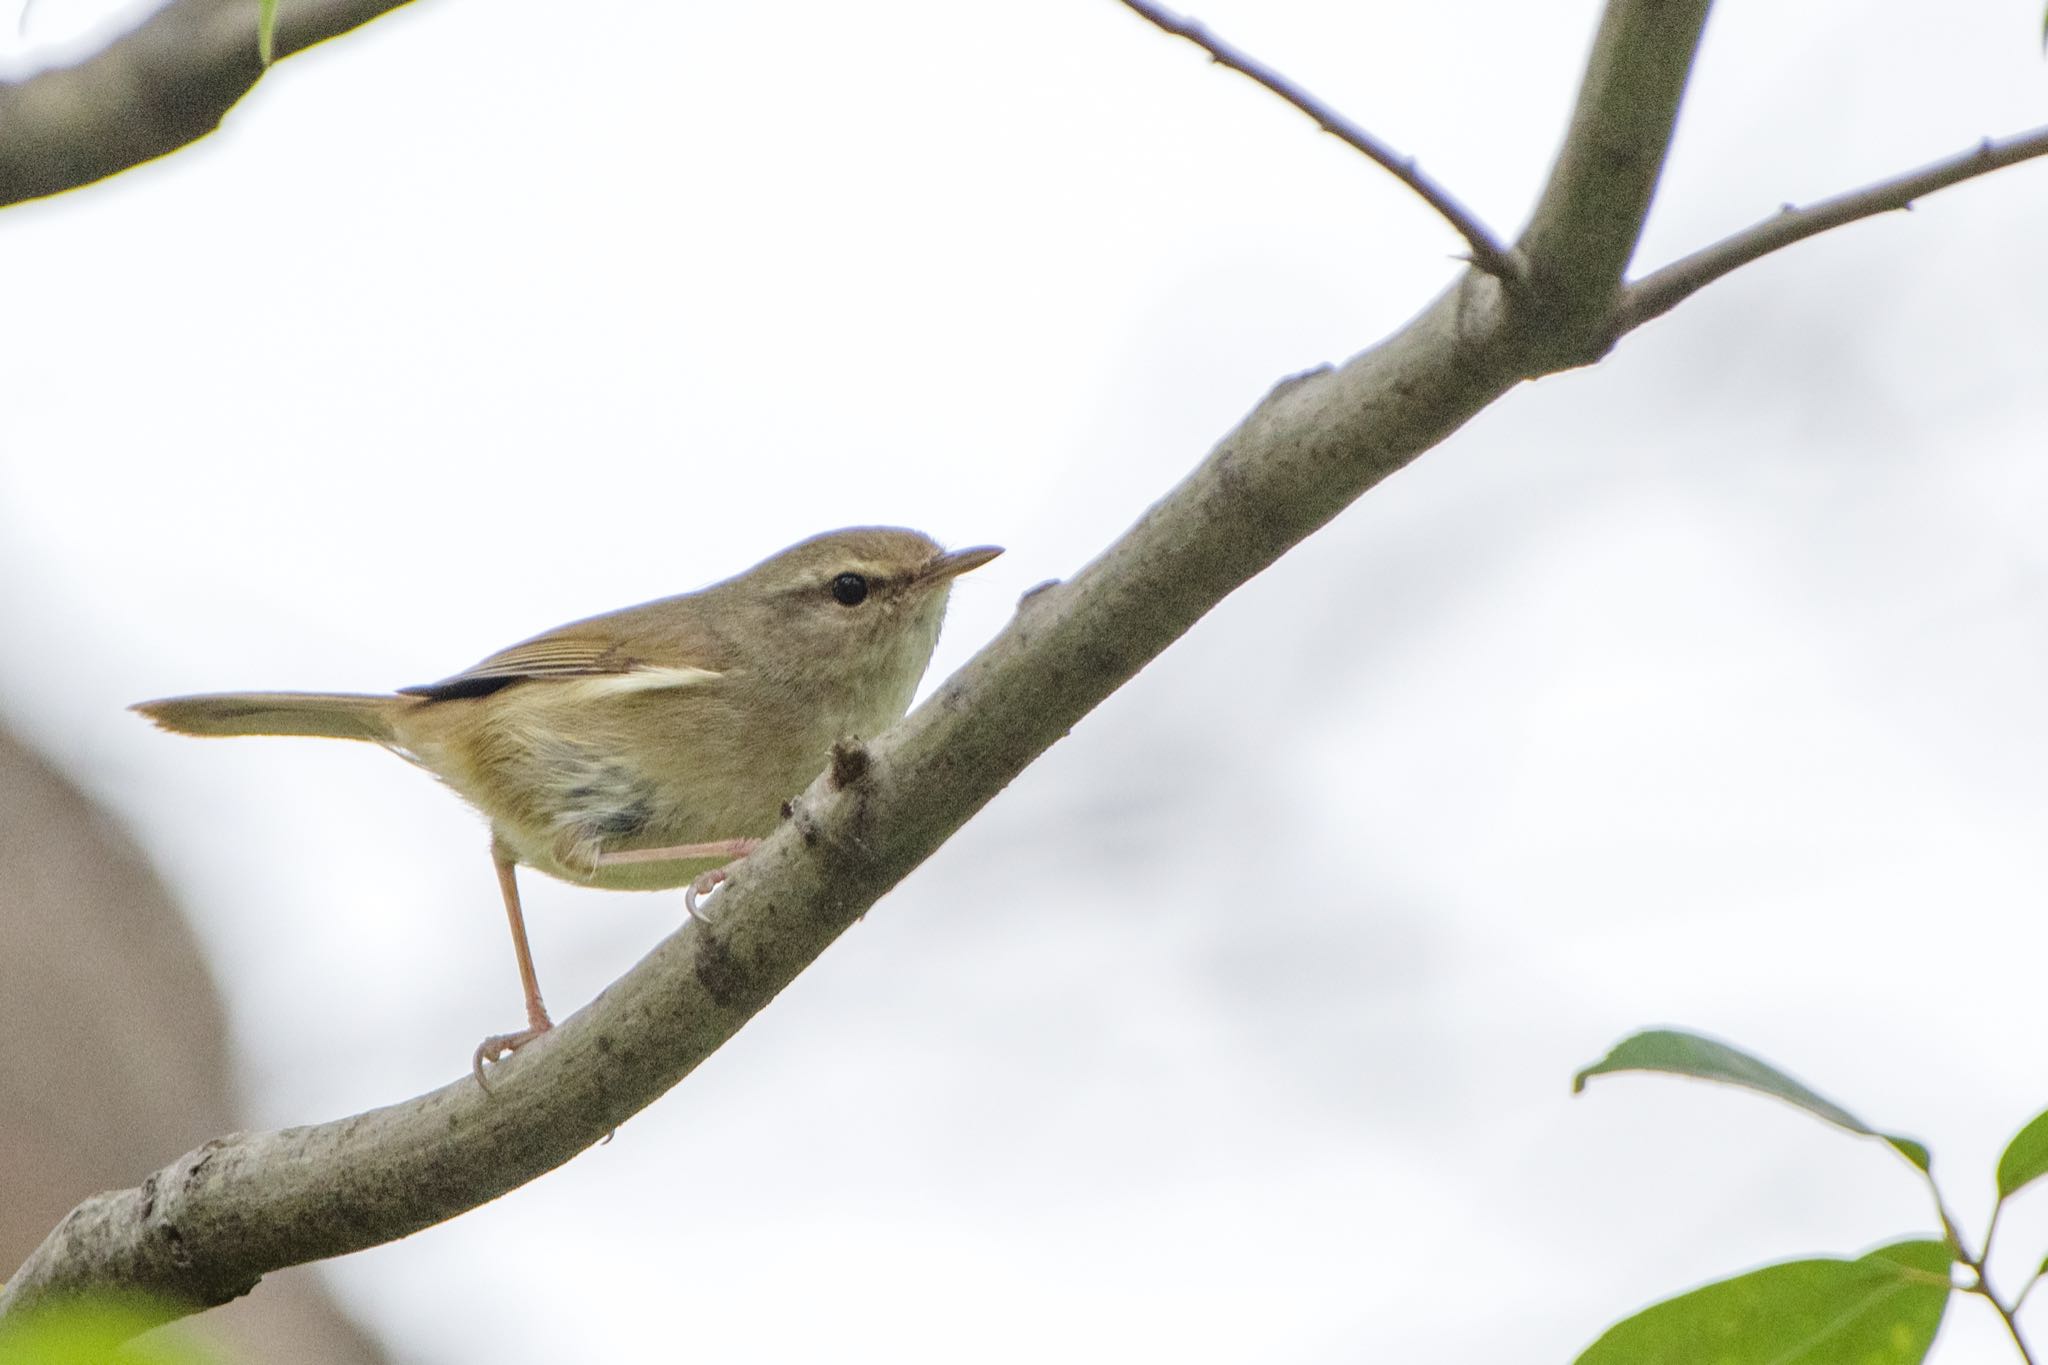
(1658, 293)
(168, 82)
(1487, 253)
(209, 1225)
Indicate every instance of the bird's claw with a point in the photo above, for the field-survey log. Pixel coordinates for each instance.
(499, 1046)
(704, 885)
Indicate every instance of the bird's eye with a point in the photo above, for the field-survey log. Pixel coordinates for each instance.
(850, 589)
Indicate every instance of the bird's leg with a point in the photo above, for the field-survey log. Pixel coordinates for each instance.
(537, 1022)
(733, 849)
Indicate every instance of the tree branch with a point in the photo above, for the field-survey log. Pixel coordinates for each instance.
(209, 1225)
(1487, 252)
(154, 89)
(1586, 225)
(1658, 293)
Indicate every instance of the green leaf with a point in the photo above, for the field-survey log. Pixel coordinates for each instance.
(266, 30)
(1678, 1053)
(2026, 1157)
(1881, 1309)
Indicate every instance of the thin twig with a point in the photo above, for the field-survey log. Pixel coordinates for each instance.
(1487, 252)
(2008, 1313)
(1662, 290)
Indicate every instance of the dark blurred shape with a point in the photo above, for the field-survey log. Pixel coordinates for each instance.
(113, 1050)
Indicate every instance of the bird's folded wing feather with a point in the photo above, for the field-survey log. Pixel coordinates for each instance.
(612, 658)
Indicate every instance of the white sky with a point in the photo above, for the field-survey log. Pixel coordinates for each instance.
(1703, 687)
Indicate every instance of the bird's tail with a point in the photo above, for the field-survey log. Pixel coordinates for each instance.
(335, 715)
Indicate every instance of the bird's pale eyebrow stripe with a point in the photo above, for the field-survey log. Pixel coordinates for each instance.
(641, 680)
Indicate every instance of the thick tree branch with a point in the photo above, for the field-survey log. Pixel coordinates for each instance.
(1658, 293)
(210, 1224)
(166, 83)
(1487, 252)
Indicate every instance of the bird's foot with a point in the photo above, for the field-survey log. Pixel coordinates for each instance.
(708, 882)
(704, 885)
(501, 1045)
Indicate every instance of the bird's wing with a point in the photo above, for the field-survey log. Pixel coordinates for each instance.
(608, 651)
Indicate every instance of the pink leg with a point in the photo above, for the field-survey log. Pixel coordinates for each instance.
(537, 1022)
(734, 849)
(706, 882)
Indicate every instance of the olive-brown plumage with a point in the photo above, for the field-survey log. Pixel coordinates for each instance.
(648, 747)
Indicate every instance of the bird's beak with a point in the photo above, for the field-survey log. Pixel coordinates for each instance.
(956, 562)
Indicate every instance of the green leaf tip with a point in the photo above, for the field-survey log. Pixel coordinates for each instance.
(266, 31)
(1883, 1308)
(1675, 1052)
(2025, 1159)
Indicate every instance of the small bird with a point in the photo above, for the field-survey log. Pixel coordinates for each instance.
(650, 747)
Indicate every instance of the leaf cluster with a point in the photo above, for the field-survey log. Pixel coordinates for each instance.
(1882, 1308)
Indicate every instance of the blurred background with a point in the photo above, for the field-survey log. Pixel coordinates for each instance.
(1702, 687)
